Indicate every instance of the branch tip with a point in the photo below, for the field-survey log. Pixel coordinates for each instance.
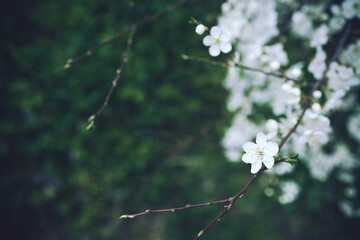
(184, 57)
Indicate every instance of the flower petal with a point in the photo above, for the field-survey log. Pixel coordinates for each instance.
(255, 167)
(225, 47)
(249, 147)
(208, 40)
(224, 37)
(249, 158)
(215, 32)
(271, 149)
(261, 139)
(268, 161)
(214, 50)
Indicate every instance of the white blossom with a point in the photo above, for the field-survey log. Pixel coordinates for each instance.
(338, 20)
(334, 100)
(301, 24)
(317, 94)
(341, 77)
(280, 169)
(316, 128)
(319, 37)
(294, 71)
(260, 152)
(218, 41)
(351, 8)
(290, 191)
(271, 128)
(353, 126)
(252, 25)
(317, 66)
(351, 55)
(274, 56)
(200, 29)
(292, 93)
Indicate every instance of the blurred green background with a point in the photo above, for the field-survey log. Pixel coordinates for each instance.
(157, 144)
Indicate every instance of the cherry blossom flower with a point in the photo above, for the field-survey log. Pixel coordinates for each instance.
(260, 152)
(292, 93)
(271, 128)
(302, 25)
(351, 8)
(317, 66)
(218, 41)
(317, 94)
(290, 191)
(341, 77)
(319, 37)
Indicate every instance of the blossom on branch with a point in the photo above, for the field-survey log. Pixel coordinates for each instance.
(218, 41)
(260, 152)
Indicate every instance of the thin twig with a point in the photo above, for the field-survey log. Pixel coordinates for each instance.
(147, 19)
(188, 206)
(117, 77)
(237, 196)
(238, 65)
(228, 207)
(230, 200)
(142, 22)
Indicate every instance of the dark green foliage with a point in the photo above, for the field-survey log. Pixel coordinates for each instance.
(59, 181)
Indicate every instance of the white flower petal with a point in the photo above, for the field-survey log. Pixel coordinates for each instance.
(208, 40)
(268, 161)
(224, 37)
(225, 47)
(249, 147)
(271, 149)
(214, 50)
(261, 139)
(255, 167)
(248, 158)
(215, 32)
(200, 29)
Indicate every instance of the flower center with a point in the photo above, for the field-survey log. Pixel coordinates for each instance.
(217, 41)
(259, 153)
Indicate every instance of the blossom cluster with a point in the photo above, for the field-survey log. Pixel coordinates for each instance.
(252, 27)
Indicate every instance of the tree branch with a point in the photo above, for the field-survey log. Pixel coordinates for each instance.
(238, 65)
(188, 206)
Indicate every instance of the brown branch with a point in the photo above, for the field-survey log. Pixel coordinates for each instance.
(188, 206)
(237, 196)
(238, 65)
(228, 207)
(230, 200)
